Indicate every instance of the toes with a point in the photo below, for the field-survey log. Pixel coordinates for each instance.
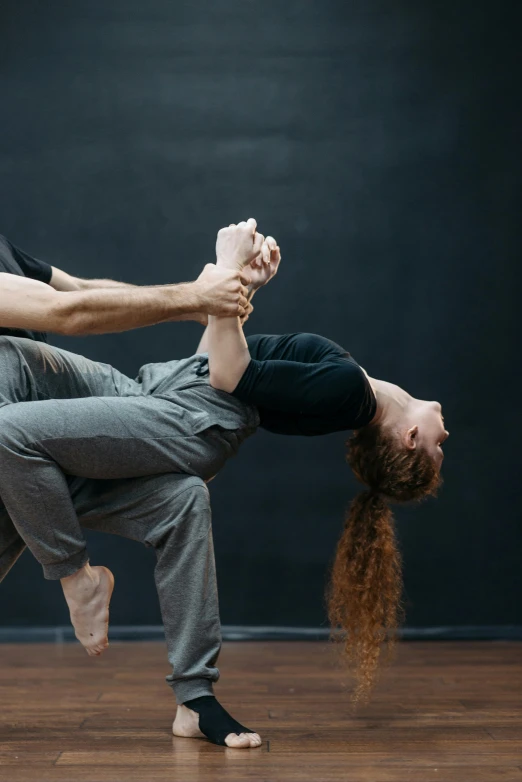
(233, 740)
(94, 651)
(243, 740)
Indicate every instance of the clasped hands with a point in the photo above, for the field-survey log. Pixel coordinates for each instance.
(245, 261)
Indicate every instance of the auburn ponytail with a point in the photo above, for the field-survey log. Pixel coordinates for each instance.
(364, 597)
(365, 588)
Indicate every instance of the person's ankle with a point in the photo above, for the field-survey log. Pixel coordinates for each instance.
(85, 574)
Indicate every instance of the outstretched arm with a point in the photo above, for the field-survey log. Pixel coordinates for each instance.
(237, 247)
(30, 304)
(63, 281)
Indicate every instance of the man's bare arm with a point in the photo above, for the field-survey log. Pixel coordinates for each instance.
(29, 304)
(63, 281)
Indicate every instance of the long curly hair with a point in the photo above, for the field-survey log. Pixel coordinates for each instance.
(364, 595)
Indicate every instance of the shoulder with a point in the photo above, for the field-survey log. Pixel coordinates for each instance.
(339, 382)
(8, 262)
(349, 370)
(351, 380)
(5, 246)
(327, 346)
(8, 259)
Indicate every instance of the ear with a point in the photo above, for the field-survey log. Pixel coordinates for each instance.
(410, 438)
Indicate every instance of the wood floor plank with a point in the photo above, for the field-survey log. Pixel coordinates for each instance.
(27, 756)
(506, 732)
(190, 774)
(445, 711)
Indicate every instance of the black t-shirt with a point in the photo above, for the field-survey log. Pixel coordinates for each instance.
(305, 384)
(15, 261)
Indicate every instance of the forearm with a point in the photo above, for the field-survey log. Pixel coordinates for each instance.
(62, 281)
(29, 304)
(203, 343)
(228, 354)
(237, 247)
(106, 310)
(87, 285)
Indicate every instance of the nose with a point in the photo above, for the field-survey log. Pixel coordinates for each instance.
(437, 406)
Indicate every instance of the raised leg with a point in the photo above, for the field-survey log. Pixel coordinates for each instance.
(41, 442)
(118, 433)
(93, 438)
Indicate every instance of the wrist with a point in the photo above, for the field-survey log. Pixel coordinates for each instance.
(189, 297)
(231, 264)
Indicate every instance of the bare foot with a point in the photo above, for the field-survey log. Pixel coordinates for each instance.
(88, 594)
(186, 724)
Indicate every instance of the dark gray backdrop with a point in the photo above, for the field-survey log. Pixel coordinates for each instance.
(380, 143)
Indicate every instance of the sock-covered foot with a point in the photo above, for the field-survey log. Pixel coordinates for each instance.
(206, 717)
(88, 594)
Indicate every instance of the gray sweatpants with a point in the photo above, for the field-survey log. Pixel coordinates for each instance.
(92, 447)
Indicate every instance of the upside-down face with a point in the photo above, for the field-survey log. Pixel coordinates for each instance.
(430, 431)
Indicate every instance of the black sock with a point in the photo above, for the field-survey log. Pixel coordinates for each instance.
(215, 721)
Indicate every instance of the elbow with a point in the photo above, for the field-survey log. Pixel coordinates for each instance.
(220, 382)
(67, 326)
(73, 327)
(64, 320)
(227, 377)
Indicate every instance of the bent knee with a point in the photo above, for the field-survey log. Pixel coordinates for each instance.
(180, 504)
(173, 487)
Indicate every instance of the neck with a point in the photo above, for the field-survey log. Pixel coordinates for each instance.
(392, 401)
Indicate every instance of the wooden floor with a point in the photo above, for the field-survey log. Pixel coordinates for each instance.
(445, 711)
